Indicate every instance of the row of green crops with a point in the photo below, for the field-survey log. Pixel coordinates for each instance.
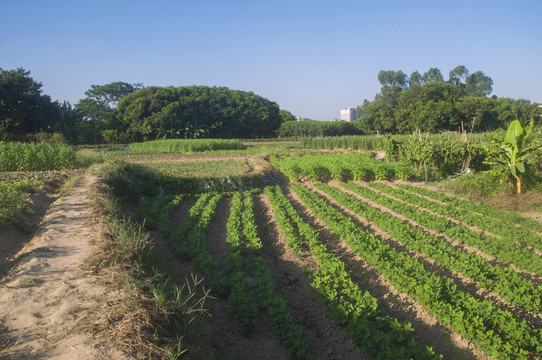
(505, 230)
(495, 331)
(342, 167)
(380, 336)
(431, 155)
(230, 282)
(501, 280)
(353, 142)
(504, 216)
(34, 157)
(188, 145)
(503, 249)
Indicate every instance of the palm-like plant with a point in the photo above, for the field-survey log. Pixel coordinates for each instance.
(510, 155)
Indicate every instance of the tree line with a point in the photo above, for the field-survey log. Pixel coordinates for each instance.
(121, 113)
(430, 104)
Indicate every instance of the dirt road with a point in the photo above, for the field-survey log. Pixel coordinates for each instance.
(47, 293)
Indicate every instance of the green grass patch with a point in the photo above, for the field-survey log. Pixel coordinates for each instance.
(188, 145)
(70, 184)
(202, 169)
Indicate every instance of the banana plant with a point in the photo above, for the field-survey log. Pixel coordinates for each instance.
(512, 153)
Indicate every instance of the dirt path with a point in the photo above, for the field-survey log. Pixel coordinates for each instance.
(44, 296)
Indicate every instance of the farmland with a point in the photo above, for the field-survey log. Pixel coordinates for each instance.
(337, 255)
(464, 267)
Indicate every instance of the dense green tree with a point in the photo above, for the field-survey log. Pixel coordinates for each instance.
(286, 115)
(509, 110)
(392, 78)
(478, 84)
(23, 107)
(480, 111)
(415, 79)
(393, 83)
(430, 107)
(68, 117)
(197, 111)
(431, 104)
(458, 75)
(457, 78)
(433, 75)
(378, 118)
(101, 101)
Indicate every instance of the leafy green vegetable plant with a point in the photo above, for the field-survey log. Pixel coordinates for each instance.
(510, 155)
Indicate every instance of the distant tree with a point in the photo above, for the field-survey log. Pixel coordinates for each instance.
(393, 78)
(378, 117)
(68, 118)
(478, 84)
(430, 107)
(458, 75)
(433, 75)
(415, 79)
(101, 100)
(23, 107)
(457, 78)
(509, 110)
(286, 115)
(481, 108)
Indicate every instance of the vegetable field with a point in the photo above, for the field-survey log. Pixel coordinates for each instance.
(403, 272)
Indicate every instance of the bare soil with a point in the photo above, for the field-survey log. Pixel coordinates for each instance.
(46, 294)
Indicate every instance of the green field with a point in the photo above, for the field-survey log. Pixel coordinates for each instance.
(357, 232)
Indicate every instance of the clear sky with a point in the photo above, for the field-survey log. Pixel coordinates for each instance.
(311, 57)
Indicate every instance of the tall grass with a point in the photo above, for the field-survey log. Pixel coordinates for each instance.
(24, 157)
(188, 145)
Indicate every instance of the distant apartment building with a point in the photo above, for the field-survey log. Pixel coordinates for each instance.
(349, 114)
(299, 118)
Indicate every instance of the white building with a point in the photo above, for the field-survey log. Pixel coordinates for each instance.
(349, 114)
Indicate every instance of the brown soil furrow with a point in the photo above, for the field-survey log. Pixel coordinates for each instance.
(463, 283)
(328, 340)
(223, 331)
(535, 278)
(427, 330)
(177, 216)
(216, 235)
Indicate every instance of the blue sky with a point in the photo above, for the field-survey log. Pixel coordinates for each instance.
(311, 57)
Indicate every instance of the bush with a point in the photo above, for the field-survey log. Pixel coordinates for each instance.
(479, 185)
(12, 199)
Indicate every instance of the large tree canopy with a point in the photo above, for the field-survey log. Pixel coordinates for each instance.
(197, 111)
(23, 107)
(101, 101)
(432, 104)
